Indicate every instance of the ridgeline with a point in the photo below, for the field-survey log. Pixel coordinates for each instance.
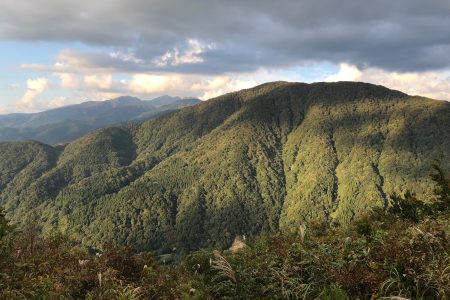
(252, 162)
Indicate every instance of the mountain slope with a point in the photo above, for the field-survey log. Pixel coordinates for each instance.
(255, 161)
(71, 122)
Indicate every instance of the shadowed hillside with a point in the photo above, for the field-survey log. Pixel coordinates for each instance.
(255, 161)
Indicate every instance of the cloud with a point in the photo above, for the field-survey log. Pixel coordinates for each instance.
(12, 86)
(220, 85)
(346, 73)
(151, 84)
(35, 87)
(98, 87)
(190, 56)
(207, 48)
(70, 61)
(100, 82)
(125, 57)
(402, 35)
(68, 81)
(431, 84)
(57, 102)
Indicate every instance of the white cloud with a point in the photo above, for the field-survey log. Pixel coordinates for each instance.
(81, 84)
(34, 88)
(205, 87)
(189, 56)
(57, 102)
(69, 81)
(430, 84)
(153, 84)
(346, 73)
(12, 86)
(126, 57)
(220, 85)
(100, 81)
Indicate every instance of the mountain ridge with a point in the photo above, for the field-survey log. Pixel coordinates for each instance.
(67, 123)
(255, 161)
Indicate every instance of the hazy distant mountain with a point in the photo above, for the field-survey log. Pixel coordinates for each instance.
(261, 160)
(165, 100)
(71, 122)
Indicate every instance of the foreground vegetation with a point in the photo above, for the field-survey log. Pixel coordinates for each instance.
(400, 252)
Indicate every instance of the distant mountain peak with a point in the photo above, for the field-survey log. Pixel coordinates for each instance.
(166, 97)
(168, 100)
(341, 91)
(124, 101)
(67, 123)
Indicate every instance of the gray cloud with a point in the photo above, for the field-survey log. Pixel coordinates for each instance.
(401, 35)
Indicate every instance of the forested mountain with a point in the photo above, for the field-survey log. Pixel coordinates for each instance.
(255, 161)
(71, 122)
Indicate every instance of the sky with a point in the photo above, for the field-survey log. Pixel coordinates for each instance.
(57, 52)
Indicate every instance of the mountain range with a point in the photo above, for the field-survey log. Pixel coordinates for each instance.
(270, 158)
(68, 123)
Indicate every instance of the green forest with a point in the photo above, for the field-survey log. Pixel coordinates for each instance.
(255, 162)
(402, 252)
